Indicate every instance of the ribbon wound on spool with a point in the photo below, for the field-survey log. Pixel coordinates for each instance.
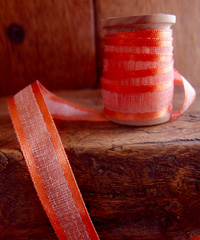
(138, 75)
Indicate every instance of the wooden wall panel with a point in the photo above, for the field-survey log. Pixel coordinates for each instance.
(186, 30)
(58, 48)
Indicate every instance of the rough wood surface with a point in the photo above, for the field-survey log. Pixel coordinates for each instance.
(138, 183)
(186, 37)
(52, 41)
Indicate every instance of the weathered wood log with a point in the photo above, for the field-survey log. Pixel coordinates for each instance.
(137, 183)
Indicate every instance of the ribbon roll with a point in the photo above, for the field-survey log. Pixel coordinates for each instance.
(138, 76)
(32, 110)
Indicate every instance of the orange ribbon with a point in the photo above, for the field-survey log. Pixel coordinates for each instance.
(118, 75)
(31, 111)
(138, 76)
(138, 57)
(48, 164)
(115, 87)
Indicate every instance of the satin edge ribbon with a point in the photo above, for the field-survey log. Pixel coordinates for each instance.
(85, 114)
(63, 161)
(137, 116)
(144, 57)
(137, 42)
(124, 89)
(33, 169)
(50, 95)
(115, 75)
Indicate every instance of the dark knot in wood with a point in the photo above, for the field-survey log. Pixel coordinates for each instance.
(15, 33)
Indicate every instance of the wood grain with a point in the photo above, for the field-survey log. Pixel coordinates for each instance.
(58, 48)
(186, 30)
(138, 183)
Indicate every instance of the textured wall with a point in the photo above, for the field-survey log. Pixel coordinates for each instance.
(55, 44)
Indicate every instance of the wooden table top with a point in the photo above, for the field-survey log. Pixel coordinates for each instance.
(185, 128)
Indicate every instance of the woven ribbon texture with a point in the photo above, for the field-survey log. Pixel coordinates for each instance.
(32, 110)
(138, 75)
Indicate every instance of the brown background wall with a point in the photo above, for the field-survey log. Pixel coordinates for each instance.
(58, 48)
(61, 38)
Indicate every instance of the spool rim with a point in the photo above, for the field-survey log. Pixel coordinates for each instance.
(138, 20)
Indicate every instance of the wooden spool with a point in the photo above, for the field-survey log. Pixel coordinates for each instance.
(133, 23)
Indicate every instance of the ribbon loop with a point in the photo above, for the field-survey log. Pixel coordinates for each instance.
(189, 91)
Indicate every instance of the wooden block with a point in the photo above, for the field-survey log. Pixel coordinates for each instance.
(185, 31)
(52, 41)
(137, 182)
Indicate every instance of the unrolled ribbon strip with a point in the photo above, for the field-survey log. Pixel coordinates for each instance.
(47, 162)
(31, 111)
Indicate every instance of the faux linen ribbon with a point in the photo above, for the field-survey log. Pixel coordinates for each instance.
(31, 111)
(138, 76)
